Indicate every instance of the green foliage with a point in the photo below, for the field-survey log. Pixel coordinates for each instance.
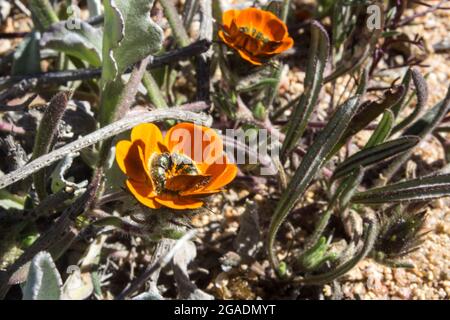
(129, 36)
(318, 55)
(44, 281)
(27, 57)
(84, 43)
(311, 163)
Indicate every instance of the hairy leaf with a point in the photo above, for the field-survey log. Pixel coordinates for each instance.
(44, 281)
(318, 55)
(401, 103)
(46, 135)
(368, 112)
(422, 97)
(82, 41)
(420, 189)
(129, 35)
(421, 128)
(311, 163)
(373, 155)
(383, 129)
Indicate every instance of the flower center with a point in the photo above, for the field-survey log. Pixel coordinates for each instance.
(254, 33)
(168, 170)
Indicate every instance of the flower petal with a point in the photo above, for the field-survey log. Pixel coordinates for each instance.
(275, 29)
(143, 192)
(184, 182)
(199, 143)
(273, 48)
(129, 159)
(151, 136)
(221, 172)
(178, 202)
(250, 58)
(250, 18)
(228, 16)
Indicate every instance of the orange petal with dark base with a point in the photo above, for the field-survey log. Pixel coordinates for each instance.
(151, 136)
(144, 193)
(129, 159)
(178, 202)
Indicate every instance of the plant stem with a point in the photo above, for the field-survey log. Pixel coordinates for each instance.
(179, 32)
(154, 94)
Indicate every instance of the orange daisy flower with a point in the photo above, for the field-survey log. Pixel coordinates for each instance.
(257, 35)
(176, 171)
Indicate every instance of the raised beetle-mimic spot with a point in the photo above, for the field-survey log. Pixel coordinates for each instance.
(255, 34)
(176, 171)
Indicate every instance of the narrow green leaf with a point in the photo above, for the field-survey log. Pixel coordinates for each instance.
(421, 128)
(310, 165)
(368, 112)
(258, 85)
(27, 57)
(422, 98)
(318, 55)
(82, 41)
(420, 189)
(42, 13)
(383, 129)
(397, 108)
(347, 188)
(373, 155)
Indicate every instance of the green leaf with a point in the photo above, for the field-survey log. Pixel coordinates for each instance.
(27, 57)
(401, 102)
(44, 281)
(420, 189)
(318, 55)
(42, 13)
(315, 257)
(82, 41)
(130, 35)
(422, 97)
(382, 131)
(368, 112)
(373, 155)
(308, 168)
(421, 128)
(347, 188)
(11, 201)
(361, 40)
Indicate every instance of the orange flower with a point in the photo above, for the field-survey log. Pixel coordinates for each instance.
(176, 171)
(256, 34)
